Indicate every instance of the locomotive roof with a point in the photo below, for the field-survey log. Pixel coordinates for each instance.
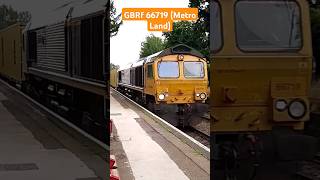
(178, 49)
(77, 8)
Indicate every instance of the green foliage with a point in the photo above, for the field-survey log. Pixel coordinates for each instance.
(204, 14)
(188, 33)
(113, 66)
(151, 45)
(193, 34)
(115, 20)
(8, 16)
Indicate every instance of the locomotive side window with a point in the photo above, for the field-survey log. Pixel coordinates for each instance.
(215, 26)
(193, 69)
(150, 71)
(168, 69)
(265, 31)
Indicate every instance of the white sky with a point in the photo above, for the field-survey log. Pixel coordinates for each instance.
(35, 7)
(125, 46)
(44, 12)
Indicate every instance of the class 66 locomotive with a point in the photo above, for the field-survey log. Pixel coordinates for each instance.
(261, 67)
(175, 76)
(60, 61)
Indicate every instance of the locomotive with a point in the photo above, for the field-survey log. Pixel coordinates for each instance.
(61, 62)
(175, 76)
(261, 67)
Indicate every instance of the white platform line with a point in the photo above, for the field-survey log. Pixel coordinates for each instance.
(205, 151)
(98, 142)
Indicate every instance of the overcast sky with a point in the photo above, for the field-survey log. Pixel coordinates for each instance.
(46, 12)
(35, 7)
(125, 47)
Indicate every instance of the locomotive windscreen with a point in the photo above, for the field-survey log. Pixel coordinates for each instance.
(193, 69)
(279, 30)
(215, 26)
(168, 69)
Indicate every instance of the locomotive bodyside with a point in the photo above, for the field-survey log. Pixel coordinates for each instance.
(60, 62)
(11, 44)
(114, 78)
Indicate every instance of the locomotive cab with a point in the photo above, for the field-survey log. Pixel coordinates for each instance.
(261, 65)
(178, 79)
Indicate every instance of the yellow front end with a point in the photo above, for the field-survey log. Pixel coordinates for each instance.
(257, 97)
(180, 79)
(260, 74)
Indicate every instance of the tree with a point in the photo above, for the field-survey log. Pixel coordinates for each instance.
(204, 14)
(151, 45)
(113, 66)
(24, 17)
(115, 20)
(9, 16)
(189, 33)
(193, 34)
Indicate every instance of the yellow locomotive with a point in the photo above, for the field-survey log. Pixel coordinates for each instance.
(261, 65)
(176, 76)
(113, 78)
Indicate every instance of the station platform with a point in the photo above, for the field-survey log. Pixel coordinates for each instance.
(37, 146)
(145, 150)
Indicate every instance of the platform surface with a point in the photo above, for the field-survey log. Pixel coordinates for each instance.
(36, 146)
(144, 151)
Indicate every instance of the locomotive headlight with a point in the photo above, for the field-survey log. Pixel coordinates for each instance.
(281, 105)
(180, 57)
(297, 109)
(203, 96)
(197, 94)
(161, 96)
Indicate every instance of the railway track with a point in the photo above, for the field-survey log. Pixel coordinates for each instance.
(310, 170)
(197, 135)
(197, 140)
